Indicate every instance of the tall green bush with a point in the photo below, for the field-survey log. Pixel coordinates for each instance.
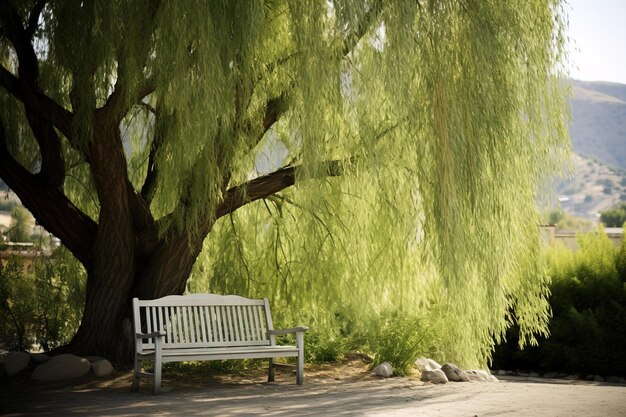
(588, 301)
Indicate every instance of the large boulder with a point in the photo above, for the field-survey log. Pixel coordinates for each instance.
(101, 367)
(435, 376)
(39, 357)
(454, 373)
(61, 367)
(384, 369)
(16, 362)
(425, 364)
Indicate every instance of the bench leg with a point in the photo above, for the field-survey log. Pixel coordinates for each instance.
(270, 374)
(300, 366)
(157, 375)
(136, 371)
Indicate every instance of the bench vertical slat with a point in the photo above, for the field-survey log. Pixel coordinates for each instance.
(259, 313)
(199, 321)
(169, 330)
(237, 323)
(236, 327)
(268, 320)
(155, 322)
(231, 337)
(146, 312)
(179, 321)
(193, 323)
(202, 323)
(249, 325)
(218, 318)
(185, 324)
(164, 324)
(253, 325)
(173, 323)
(240, 324)
(197, 324)
(211, 325)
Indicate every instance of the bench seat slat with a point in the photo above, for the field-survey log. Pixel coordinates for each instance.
(220, 350)
(176, 355)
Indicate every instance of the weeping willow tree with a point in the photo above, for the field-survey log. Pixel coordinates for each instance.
(335, 155)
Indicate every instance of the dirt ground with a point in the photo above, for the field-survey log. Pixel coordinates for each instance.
(345, 389)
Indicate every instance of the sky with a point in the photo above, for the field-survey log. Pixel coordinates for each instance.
(598, 47)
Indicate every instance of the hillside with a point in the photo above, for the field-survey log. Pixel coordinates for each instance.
(598, 134)
(594, 187)
(598, 127)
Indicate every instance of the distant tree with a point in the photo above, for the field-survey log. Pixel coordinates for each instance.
(555, 216)
(21, 225)
(615, 217)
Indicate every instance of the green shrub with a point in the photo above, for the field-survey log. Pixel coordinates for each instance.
(41, 303)
(588, 300)
(614, 217)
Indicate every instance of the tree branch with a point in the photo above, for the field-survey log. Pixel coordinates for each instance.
(52, 209)
(267, 185)
(33, 18)
(14, 31)
(369, 18)
(38, 103)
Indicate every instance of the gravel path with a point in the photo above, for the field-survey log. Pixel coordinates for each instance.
(320, 396)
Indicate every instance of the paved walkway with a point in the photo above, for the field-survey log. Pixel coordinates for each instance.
(319, 397)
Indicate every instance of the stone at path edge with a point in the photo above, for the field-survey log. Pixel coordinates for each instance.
(16, 362)
(61, 367)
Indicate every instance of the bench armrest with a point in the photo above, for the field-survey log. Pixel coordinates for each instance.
(290, 331)
(152, 335)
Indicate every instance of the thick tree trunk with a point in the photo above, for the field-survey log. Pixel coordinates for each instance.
(106, 328)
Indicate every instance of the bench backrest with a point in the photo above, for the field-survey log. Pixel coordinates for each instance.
(204, 320)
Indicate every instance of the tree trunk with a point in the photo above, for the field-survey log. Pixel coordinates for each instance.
(106, 328)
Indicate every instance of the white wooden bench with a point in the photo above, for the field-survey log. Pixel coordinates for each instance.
(196, 327)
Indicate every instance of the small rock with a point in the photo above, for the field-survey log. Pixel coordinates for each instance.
(16, 362)
(589, 377)
(453, 373)
(425, 364)
(384, 369)
(435, 376)
(524, 374)
(61, 367)
(102, 367)
(613, 378)
(480, 375)
(533, 375)
(561, 375)
(39, 357)
(598, 378)
(550, 375)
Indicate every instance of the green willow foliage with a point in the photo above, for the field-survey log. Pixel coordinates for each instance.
(445, 115)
